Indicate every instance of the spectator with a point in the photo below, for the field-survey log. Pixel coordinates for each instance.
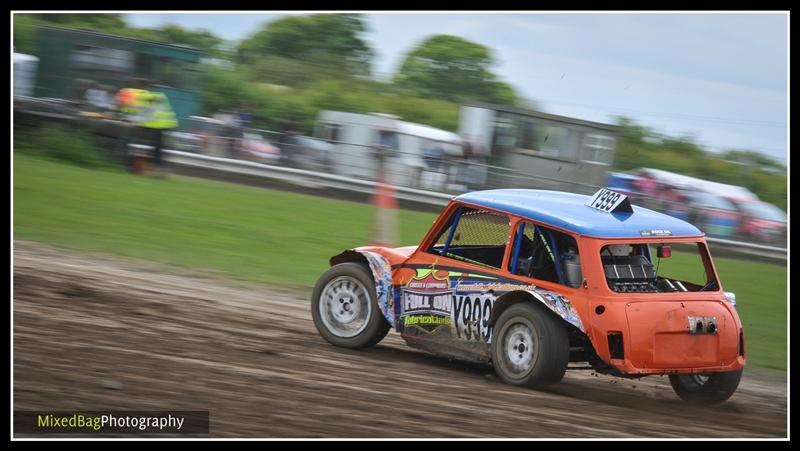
(129, 110)
(245, 116)
(434, 176)
(474, 176)
(232, 131)
(287, 144)
(81, 85)
(152, 114)
(674, 203)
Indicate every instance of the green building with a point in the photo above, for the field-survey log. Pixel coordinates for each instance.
(68, 57)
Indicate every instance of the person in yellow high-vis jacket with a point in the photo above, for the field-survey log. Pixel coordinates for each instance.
(129, 101)
(128, 108)
(151, 114)
(154, 116)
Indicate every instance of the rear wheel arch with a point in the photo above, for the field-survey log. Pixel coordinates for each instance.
(506, 300)
(577, 337)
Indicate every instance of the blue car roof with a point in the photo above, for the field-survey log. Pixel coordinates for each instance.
(567, 211)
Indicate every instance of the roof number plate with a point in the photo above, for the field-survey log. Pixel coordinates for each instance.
(609, 201)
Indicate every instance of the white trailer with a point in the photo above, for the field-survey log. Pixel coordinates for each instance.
(24, 74)
(412, 145)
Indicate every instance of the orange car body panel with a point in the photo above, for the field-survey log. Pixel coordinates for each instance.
(654, 326)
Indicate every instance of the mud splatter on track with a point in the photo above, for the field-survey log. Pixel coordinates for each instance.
(93, 332)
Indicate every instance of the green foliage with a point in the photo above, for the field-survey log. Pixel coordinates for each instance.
(226, 89)
(752, 158)
(25, 30)
(639, 146)
(452, 68)
(199, 39)
(327, 44)
(321, 61)
(58, 142)
(86, 21)
(25, 33)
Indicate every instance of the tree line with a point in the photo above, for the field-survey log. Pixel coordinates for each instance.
(295, 66)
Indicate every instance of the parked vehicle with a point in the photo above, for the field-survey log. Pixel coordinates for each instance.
(198, 134)
(531, 280)
(309, 153)
(356, 136)
(685, 182)
(713, 214)
(761, 222)
(254, 147)
(622, 183)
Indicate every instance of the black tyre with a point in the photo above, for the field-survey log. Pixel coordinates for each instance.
(344, 307)
(530, 346)
(705, 389)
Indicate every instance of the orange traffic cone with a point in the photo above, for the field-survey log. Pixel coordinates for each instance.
(386, 215)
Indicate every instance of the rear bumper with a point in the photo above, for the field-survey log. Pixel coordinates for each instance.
(627, 367)
(661, 337)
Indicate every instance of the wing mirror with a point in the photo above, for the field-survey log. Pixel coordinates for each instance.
(664, 251)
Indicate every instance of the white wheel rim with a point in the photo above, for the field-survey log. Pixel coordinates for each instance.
(345, 307)
(520, 348)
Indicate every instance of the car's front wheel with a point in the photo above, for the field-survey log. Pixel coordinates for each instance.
(530, 346)
(706, 389)
(344, 307)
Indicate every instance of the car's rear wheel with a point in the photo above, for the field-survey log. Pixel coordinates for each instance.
(706, 388)
(530, 347)
(344, 307)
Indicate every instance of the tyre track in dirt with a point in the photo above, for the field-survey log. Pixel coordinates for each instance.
(97, 332)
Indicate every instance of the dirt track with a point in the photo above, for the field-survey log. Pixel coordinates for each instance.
(94, 332)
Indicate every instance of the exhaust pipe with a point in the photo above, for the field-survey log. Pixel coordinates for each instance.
(702, 325)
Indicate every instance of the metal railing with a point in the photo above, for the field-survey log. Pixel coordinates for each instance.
(433, 172)
(312, 179)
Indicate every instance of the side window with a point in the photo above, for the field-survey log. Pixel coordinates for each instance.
(599, 148)
(474, 236)
(545, 254)
(329, 132)
(387, 139)
(87, 59)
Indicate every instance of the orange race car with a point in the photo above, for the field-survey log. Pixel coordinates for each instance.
(532, 280)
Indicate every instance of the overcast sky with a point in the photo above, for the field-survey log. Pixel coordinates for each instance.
(720, 78)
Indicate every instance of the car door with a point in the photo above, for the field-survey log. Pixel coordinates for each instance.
(445, 288)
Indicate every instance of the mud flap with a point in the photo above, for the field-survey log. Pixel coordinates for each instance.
(382, 274)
